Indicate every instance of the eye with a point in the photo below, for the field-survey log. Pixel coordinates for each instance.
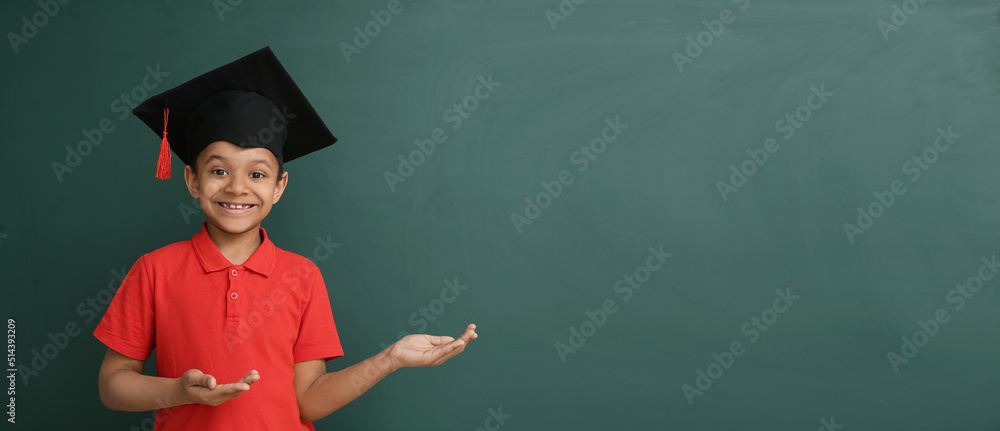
(219, 172)
(257, 175)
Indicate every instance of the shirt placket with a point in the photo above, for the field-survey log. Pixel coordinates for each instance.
(234, 295)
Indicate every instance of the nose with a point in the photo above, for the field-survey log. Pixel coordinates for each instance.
(236, 185)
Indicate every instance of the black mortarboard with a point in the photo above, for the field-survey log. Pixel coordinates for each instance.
(251, 102)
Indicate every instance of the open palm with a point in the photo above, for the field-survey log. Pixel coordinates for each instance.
(422, 350)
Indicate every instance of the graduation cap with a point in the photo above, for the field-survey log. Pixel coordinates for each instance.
(251, 102)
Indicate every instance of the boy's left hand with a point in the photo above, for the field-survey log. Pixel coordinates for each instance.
(422, 350)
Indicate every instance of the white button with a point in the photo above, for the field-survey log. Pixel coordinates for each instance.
(234, 295)
(234, 273)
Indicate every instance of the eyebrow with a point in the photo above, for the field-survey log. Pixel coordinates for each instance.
(223, 159)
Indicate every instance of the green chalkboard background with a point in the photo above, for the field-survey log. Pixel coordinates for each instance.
(901, 74)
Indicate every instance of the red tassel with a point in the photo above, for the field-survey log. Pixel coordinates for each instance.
(163, 163)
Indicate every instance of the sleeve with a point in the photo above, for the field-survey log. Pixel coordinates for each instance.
(317, 337)
(128, 326)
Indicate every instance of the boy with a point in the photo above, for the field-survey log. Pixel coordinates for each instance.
(228, 310)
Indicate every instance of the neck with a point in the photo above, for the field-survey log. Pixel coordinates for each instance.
(235, 247)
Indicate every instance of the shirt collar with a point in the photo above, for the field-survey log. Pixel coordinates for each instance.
(261, 261)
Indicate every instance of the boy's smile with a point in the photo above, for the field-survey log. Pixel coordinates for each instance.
(236, 208)
(235, 186)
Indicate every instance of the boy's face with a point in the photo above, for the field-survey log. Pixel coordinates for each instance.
(235, 186)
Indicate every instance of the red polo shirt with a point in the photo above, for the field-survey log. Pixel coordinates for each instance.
(198, 310)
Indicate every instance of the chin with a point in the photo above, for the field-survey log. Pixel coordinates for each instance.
(235, 227)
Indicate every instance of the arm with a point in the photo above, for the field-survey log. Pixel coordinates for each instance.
(319, 393)
(122, 386)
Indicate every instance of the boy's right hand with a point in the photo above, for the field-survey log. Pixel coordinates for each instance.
(197, 387)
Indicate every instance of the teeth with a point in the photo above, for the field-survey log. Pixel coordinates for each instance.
(236, 207)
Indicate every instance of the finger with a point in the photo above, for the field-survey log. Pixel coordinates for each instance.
(471, 329)
(456, 347)
(201, 379)
(192, 377)
(243, 384)
(466, 338)
(449, 352)
(470, 333)
(440, 340)
(460, 347)
(230, 390)
(444, 352)
(251, 377)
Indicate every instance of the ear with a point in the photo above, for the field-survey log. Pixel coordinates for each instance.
(279, 188)
(191, 179)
